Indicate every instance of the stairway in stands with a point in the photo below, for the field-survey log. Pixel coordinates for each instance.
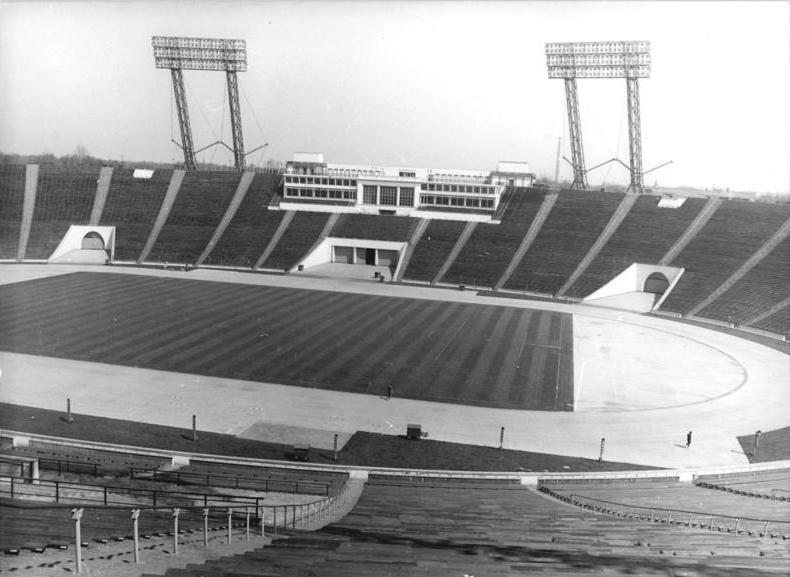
(753, 261)
(526, 242)
(278, 233)
(419, 230)
(702, 218)
(459, 245)
(614, 222)
(230, 212)
(164, 212)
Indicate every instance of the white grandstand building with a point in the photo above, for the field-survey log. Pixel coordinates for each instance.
(312, 184)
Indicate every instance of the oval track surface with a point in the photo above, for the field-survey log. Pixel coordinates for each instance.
(645, 436)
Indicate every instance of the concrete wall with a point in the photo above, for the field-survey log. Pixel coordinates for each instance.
(633, 279)
(72, 240)
(324, 252)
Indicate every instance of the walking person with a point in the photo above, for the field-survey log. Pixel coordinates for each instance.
(756, 443)
(688, 439)
(389, 392)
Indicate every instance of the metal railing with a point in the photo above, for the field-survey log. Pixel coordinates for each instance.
(63, 492)
(232, 481)
(68, 492)
(288, 516)
(755, 494)
(69, 466)
(701, 519)
(254, 483)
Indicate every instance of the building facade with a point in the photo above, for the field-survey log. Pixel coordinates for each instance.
(312, 184)
(511, 173)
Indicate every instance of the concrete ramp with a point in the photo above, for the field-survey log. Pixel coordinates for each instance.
(632, 301)
(82, 256)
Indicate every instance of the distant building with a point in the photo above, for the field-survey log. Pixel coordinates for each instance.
(511, 173)
(312, 184)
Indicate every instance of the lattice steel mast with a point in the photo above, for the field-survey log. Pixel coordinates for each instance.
(634, 134)
(235, 119)
(226, 55)
(183, 119)
(629, 60)
(575, 129)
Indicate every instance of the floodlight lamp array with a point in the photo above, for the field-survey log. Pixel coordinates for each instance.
(616, 47)
(200, 53)
(629, 59)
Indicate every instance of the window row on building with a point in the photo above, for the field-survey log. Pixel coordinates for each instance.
(320, 193)
(388, 195)
(431, 186)
(457, 201)
(395, 190)
(321, 180)
(353, 172)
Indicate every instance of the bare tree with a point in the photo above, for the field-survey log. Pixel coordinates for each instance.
(80, 153)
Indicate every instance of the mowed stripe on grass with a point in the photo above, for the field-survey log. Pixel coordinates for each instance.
(487, 355)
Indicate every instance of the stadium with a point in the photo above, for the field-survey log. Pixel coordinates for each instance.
(338, 369)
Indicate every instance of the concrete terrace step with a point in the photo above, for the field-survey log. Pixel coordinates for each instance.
(701, 219)
(753, 261)
(459, 245)
(28, 205)
(526, 242)
(419, 230)
(281, 228)
(164, 211)
(614, 222)
(230, 212)
(102, 189)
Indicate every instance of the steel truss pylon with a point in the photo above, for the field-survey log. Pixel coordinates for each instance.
(235, 119)
(183, 119)
(634, 135)
(575, 129)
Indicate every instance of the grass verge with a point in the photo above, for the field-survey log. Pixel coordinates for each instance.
(363, 449)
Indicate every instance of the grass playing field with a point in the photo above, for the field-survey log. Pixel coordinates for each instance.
(442, 351)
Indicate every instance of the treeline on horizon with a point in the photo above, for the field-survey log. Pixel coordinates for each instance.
(80, 159)
(84, 160)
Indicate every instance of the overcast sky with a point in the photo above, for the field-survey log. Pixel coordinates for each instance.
(428, 84)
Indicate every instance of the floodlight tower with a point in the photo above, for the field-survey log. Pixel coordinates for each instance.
(629, 60)
(178, 54)
(575, 129)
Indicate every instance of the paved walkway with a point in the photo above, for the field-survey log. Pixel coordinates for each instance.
(642, 383)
